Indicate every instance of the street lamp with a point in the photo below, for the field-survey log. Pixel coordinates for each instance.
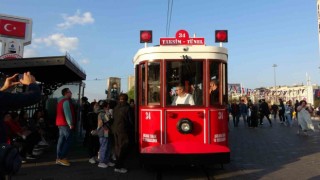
(275, 82)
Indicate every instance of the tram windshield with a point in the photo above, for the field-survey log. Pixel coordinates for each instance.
(184, 79)
(183, 83)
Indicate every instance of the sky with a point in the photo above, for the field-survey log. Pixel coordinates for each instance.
(103, 36)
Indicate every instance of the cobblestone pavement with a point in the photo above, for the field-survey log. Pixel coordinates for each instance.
(265, 152)
(272, 153)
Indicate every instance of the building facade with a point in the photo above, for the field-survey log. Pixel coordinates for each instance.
(310, 93)
(131, 82)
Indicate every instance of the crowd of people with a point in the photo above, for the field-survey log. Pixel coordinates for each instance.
(30, 135)
(287, 112)
(109, 128)
(108, 125)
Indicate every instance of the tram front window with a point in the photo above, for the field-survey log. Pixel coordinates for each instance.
(186, 74)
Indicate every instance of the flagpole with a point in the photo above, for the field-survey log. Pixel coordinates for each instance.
(307, 79)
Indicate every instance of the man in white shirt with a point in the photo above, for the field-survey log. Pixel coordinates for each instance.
(182, 97)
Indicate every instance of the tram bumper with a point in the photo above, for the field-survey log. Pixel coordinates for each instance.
(186, 153)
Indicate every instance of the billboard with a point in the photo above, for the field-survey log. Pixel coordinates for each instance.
(15, 33)
(114, 88)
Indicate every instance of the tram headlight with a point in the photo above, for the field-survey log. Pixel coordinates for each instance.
(185, 126)
(221, 35)
(145, 36)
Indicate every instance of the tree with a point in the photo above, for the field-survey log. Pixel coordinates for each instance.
(131, 93)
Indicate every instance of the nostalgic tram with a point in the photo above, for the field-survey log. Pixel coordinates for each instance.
(180, 117)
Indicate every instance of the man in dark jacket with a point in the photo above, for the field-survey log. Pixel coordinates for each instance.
(264, 111)
(10, 101)
(214, 91)
(281, 111)
(275, 109)
(235, 111)
(121, 127)
(85, 109)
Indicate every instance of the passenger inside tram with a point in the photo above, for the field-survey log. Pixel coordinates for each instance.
(182, 97)
(196, 92)
(214, 91)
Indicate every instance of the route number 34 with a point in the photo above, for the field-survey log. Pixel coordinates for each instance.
(182, 35)
(148, 115)
(220, 115)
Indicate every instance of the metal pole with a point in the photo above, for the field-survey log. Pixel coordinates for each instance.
(318, 13)
(79, 118)
(275, 82)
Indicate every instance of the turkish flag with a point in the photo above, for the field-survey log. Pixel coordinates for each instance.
(12, 28)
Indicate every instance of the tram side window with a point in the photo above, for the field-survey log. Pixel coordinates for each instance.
(143, 81)
(186, 74)
(214, 85)
(154, 83)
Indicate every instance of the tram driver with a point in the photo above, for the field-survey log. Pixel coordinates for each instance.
(182, 97)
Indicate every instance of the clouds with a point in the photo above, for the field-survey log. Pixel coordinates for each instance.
(85, 61)
(29, 53)
(59, 40)
(78, 18)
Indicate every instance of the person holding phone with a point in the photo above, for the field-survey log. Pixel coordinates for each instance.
(11, 101)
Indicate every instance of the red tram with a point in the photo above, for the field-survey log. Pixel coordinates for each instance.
(181, 133)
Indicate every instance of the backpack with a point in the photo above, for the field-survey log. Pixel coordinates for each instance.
(10, 160)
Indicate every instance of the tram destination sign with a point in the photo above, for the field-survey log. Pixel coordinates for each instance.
(182, 38)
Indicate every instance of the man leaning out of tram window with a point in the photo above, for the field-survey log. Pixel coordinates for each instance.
(214, 91)
(182, 97)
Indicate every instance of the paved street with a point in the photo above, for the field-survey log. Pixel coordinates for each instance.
(263, 153)
(273, 153)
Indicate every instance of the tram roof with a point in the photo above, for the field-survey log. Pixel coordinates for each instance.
(176, 52)
(45, 69)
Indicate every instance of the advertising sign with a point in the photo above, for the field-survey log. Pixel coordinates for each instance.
(182, 38)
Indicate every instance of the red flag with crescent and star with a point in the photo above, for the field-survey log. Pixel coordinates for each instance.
(12, 28)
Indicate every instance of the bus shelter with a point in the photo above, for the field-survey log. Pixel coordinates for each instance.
(50, 72)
